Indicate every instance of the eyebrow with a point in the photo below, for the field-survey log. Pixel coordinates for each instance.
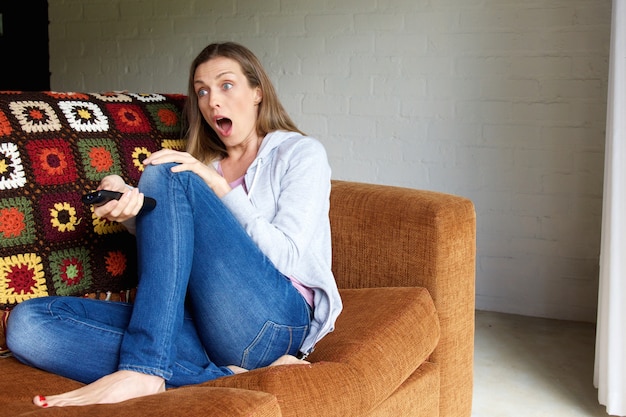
(220, 75)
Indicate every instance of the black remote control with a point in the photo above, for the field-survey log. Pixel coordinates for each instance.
(100, 197)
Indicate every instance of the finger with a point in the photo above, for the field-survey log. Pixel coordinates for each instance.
(105, 210)
(182, 167)
(134, 206)
(105, 184)
(124, 208)
(162, 156)
(129, 204)
(112, 182)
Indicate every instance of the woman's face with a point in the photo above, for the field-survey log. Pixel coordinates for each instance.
(227, 102)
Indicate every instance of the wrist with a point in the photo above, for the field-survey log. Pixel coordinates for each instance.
(221, 188)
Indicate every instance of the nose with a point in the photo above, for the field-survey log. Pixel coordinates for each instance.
(214, 101)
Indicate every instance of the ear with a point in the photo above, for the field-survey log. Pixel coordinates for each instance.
(258, 95)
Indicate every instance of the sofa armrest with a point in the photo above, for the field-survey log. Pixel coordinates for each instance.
(191, 401)
(19, 383)
(393, 236)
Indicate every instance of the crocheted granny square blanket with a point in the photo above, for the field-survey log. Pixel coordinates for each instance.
(54, 147)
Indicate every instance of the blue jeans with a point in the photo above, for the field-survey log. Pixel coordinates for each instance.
(207, 298)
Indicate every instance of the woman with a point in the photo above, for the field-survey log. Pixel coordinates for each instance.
(234, 261)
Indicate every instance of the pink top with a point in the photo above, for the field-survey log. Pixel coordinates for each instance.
(306, 292)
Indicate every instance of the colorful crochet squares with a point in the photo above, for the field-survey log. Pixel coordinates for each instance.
(54, 147)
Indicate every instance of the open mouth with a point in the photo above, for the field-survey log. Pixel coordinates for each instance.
(224, 125)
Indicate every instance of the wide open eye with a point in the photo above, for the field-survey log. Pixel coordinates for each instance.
(227, 86)
(202, 92)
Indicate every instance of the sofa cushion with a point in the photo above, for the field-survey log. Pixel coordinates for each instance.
(394, 328)
(53, 148)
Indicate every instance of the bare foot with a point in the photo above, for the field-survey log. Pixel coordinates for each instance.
(289, 360)
(283, 360)
(237, 369)
(117, 387)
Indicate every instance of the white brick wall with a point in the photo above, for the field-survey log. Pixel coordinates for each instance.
(502, 101)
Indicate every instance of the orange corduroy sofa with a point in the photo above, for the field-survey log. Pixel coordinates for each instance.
(404, 260)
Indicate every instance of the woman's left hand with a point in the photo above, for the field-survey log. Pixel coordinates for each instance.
(186, 162)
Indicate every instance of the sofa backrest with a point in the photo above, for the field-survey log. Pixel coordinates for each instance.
(54, 147)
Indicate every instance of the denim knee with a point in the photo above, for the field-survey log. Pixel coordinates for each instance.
(22, 327)
(153, 174)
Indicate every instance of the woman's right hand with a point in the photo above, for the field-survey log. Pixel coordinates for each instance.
(186, 162)
(123, 209)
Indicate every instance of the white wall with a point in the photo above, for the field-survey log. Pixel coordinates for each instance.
(501, 101)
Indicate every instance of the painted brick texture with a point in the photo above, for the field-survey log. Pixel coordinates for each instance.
(501, 101)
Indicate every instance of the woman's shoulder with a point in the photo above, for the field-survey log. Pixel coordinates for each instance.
(285, 142)
(304, 148)
(296, 140)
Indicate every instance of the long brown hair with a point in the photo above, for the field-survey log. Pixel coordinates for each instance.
(202, 141)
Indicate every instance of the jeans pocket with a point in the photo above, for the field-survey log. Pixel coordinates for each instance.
(273, 341)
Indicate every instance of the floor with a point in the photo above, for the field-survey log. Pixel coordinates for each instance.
(533, 367)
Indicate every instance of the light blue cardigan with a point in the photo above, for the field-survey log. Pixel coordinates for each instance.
(285, 211)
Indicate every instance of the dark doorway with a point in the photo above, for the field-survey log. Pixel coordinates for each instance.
(24, 62)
